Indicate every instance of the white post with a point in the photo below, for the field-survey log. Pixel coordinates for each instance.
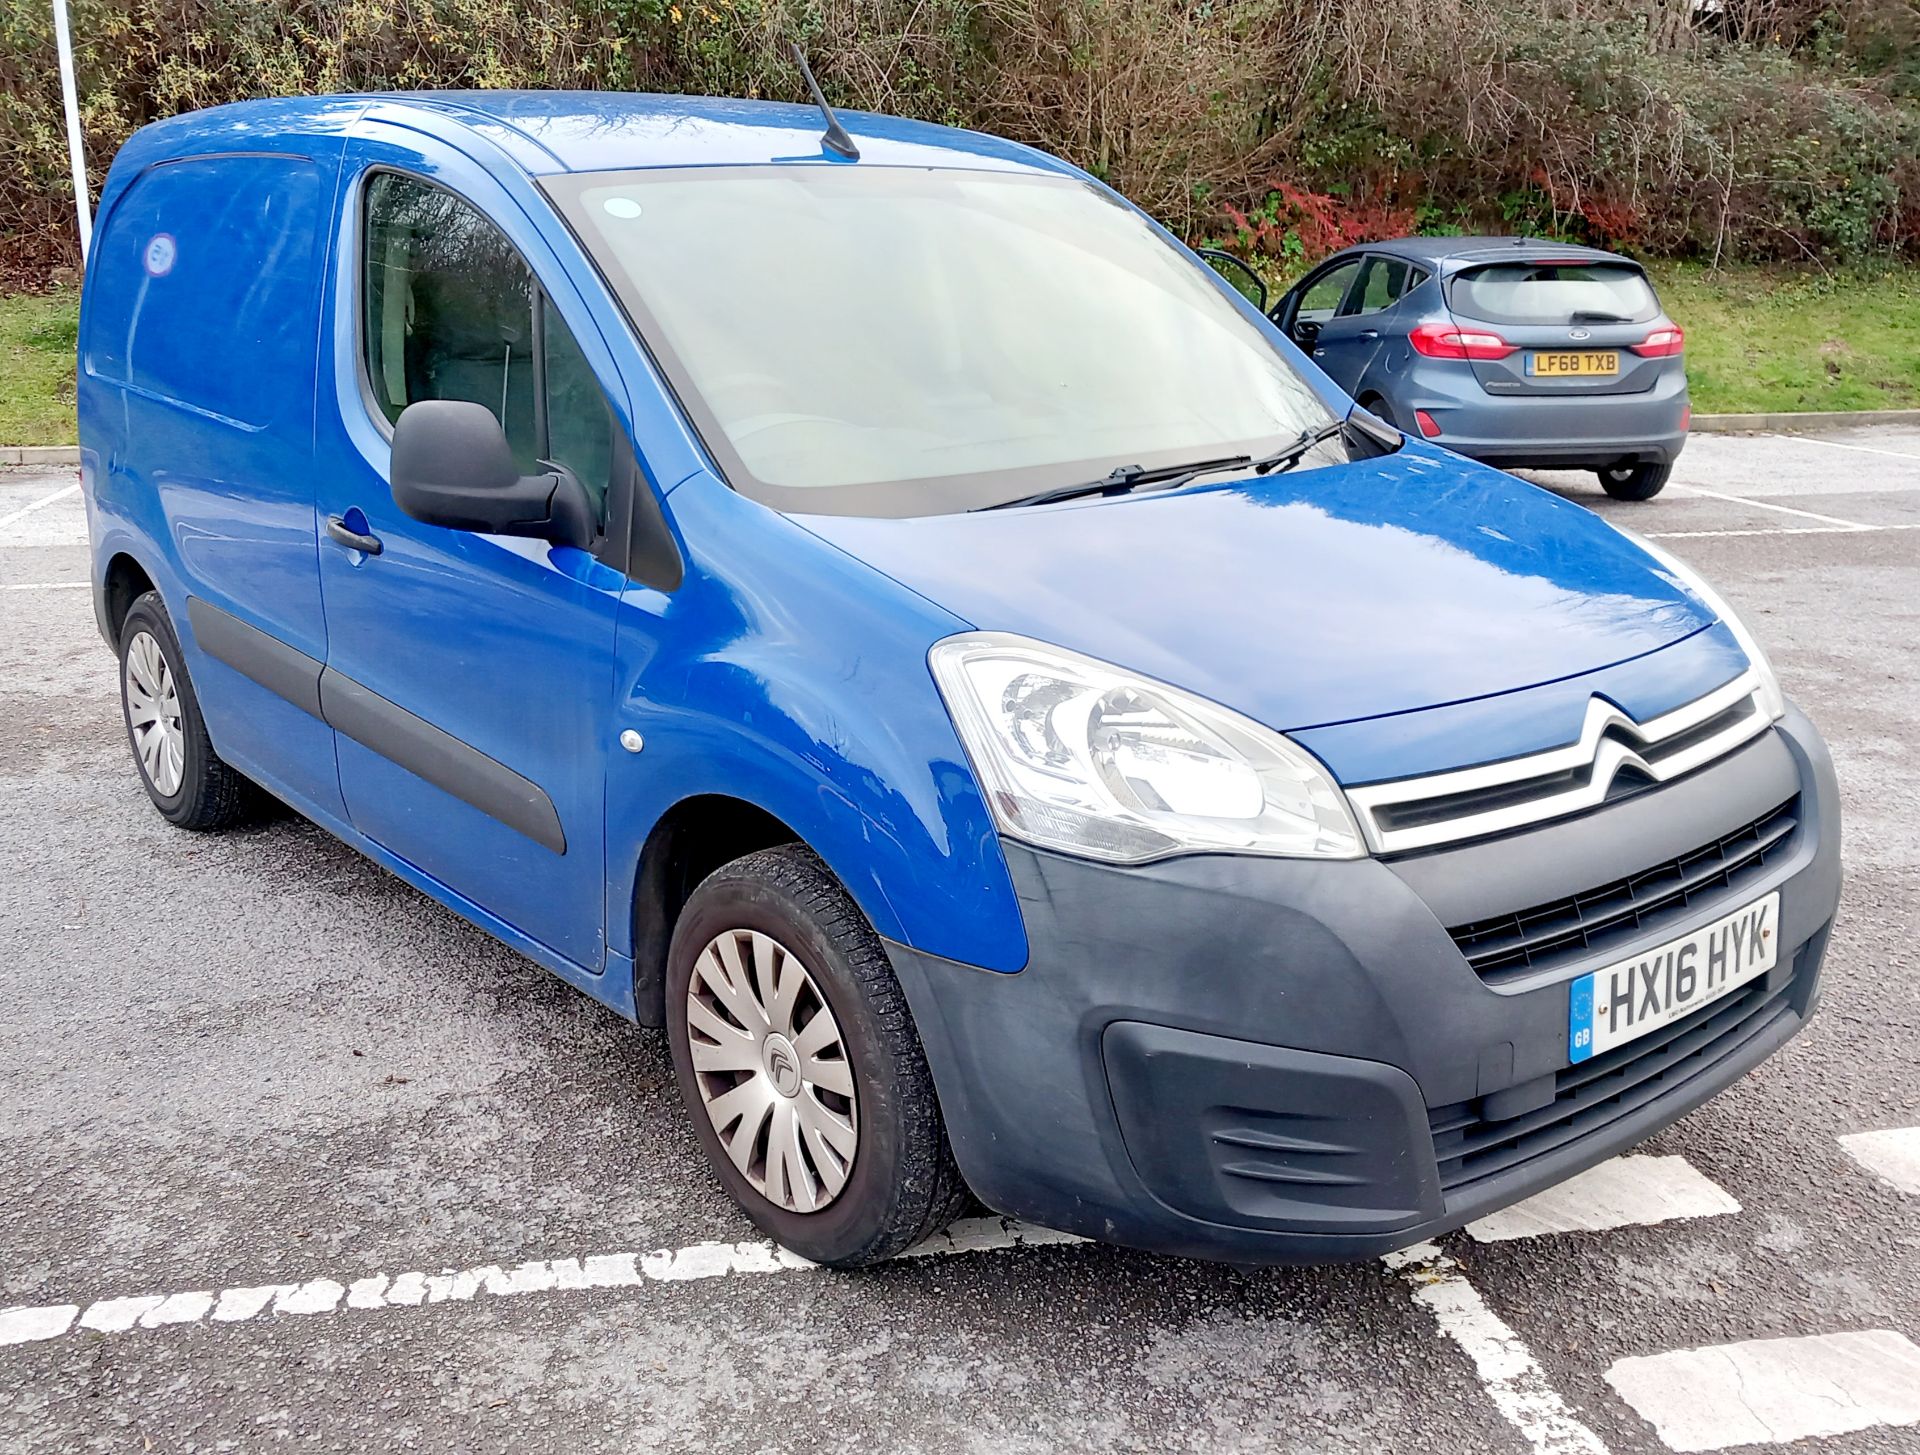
(82, 203)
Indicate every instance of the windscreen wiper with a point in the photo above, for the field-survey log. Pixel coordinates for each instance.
(1282, 460)
(1121, 479)
(1588, 315)
(1125, 479)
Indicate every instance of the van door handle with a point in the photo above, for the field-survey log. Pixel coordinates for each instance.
(1368, 334)
(353, 540)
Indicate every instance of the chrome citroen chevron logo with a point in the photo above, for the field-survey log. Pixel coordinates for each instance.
(1402, 813)
(1610, 751)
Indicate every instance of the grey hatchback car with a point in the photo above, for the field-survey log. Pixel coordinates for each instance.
(1514, 351)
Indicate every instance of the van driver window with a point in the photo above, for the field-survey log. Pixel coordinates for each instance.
(451, 311)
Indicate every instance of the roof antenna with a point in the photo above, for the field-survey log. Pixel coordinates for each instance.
(836, 138)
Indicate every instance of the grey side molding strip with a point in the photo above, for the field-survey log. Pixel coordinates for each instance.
(377, 724)
(442, 759)
(252, 653)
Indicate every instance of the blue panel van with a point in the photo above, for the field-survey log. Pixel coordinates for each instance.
(884, 611)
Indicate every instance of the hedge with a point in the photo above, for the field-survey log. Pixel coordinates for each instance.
(1754, 129)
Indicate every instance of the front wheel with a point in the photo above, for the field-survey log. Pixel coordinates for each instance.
(1635, 482)
(798, 1062)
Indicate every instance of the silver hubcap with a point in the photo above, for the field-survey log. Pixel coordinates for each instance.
(153, 713)
(772, 1070)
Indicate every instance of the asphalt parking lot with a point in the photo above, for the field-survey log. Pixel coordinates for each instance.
(292, 1156)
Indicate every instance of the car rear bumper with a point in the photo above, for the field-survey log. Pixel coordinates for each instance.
(1286, 1061)
(1588, 431)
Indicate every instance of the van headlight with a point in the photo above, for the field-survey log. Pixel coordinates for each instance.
(1080, 756)
(1772, 701)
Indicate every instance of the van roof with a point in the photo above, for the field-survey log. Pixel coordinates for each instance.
(592, 131)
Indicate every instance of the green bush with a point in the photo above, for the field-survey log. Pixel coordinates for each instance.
(1789, 131)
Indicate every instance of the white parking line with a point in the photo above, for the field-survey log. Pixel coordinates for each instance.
(1626, 1192)
(1769, 505)
(1508, 1371)
(1893, 1155)
(1814, 439)
(1772, 1391)
(44, 501)
(409, 1290)
(47, 586)
(1781, 530)
(24, 1325)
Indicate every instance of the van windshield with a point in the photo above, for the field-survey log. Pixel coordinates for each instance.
(901, 341)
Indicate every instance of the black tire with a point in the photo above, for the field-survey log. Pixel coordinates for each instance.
(1635, 482)
(1379, 407)
(901, 1183)
(210, 795)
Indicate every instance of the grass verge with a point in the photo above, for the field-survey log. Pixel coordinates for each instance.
(1759, 340)
(37, 333)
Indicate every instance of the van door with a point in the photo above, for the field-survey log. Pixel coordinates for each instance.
(198, 361)
(469, 676)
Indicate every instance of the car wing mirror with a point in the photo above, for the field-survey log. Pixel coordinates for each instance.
(452, 467)
(1305, 332)
(1247, 283)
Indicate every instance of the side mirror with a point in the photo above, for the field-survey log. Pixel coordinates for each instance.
(452, 466)
(1367, 436)
(1245, 281)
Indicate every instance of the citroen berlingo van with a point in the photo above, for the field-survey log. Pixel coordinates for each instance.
(884, 611)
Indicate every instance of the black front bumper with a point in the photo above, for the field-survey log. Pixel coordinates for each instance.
(1290, 1061)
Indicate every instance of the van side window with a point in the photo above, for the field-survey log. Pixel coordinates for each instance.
(579, 424)
(451, 311)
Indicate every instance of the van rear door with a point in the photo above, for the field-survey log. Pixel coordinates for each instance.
(1571, 323)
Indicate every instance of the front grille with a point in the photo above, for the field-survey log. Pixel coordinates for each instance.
(1612, 756)
(1638, 772)
(1510, 946)
(1591, 1096)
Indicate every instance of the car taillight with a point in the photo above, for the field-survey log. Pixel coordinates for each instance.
(1448, 341)
(1428, 426)
(1662, 343)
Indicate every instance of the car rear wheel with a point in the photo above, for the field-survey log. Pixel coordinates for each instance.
(182, 774)
(799, 1064)
(1376, 405)
(1635, 482)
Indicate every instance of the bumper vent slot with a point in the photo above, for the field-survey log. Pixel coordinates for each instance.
(1510, 946)
(1592, 1095)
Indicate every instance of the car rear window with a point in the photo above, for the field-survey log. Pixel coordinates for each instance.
(1553, 293)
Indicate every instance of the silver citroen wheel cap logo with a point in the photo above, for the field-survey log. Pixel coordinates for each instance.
(783, 1065)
